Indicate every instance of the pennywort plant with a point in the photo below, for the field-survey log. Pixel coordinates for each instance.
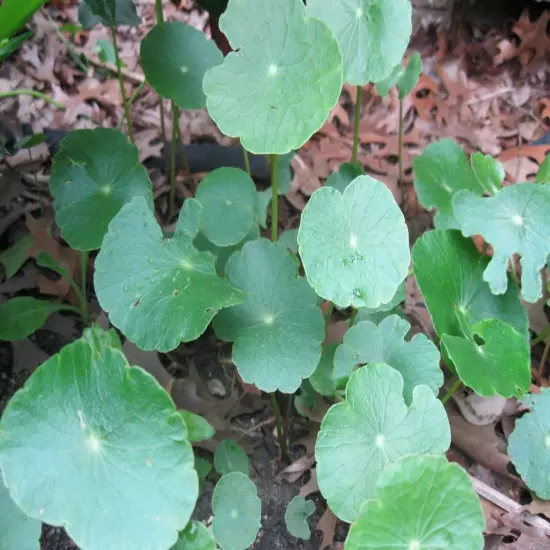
(96, 445)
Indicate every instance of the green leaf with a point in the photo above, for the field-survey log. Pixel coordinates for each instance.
(114, 12)
(500, 365)
(228, 200)
(195, 537)
(409, 78)
(322, 380)
(230, 457)
(347, 172)
(263, 200)
(529, 444)
(158, 292)
(273, 94)
(198, 428)
(99, 339)
(18, 531)
(85, 16)
(45, 259)
(28, 142)
(373, 36)
(433, 502)
(278, 330)
(94, 174)
(355, 246)
(384, 86)
(15, 256)
(514, 221)
(439, 172)
(114, 473)
(397, 299)
(21, 316)
(237, 512)
(213, 7)
(417, 361)
(14, 14)
(290, 239)
(285, 172)
(372, 429)
(105, 51)
(488, 171)
(296, 514)
(175, 57)
(543, 175)
(10, 45)
(203, 467)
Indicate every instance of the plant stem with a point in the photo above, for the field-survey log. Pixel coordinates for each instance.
(32, 93)
(355, 153)
(139, 89)
(400, 143)
(158, 10)
(274, 197)
(183, 153)
(514, 270)
(172, 199)
(329, 312)
(83, 285)
(541, 336)
(246, 161)
(279, 423)
(451, 391)
(127, 111)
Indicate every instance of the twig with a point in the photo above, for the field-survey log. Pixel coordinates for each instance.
(543, 359)
(139, 89)
(32, 93)
(496, 93)
(451, 391)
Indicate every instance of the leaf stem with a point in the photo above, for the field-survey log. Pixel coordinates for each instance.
(175, 124)
(139, 89)
(541, 336)
(274, 196)
(246, 161)
(158, 10)
(400, 143)
(279, 423)
(83, 284)
(355, 153)
(32, 93)
(127, 111)
(451, 391)
(184, 158)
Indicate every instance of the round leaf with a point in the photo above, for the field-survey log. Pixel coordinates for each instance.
(355, 246)
(344, 176)
(296, 514)
(18, 530)
(158, 291)
(370, 430)
(417, 360)
(434, 503)
(94, 174)
(237, 512)
(514, 221)
(373, 36)
(195, 537)
(228, 198)
(278, 329)
(230, 457)
(175, 57)
(114, 473)
(488, 171)
(273, 93)
(529, 444)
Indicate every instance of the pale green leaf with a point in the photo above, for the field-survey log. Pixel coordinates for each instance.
(290, 239)
(409, 78)
(344, 176)
(195, 537)
(384, 86)
(296, 514)
(198, 428)
(285, 172)
(230, 457)
(397, 299)
(543, 175)
(106, 51)
(16, 255)
(322, 380)
(263, 200)
(99, 338)
(355, 246)
(488, 171)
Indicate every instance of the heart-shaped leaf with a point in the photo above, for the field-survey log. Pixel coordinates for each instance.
(434, 501)
(296, 514)
(175, 58)
(529, 444)
(488, 171)
(18, 530)
(94, 174)
(195, 537)
(230, 457)
(237, 512)
(370, 430)
(274, 94)
(344, 176)
(114, 12)
(278, 329)
(417, 360)
(355, 245)
(228, 198)
(373, 36)
(439, 172)
(158, 291)
(514, 221)
(116, 474)
(543, 175)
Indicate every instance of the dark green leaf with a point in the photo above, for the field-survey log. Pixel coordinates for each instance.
(230, 457)
(15, 256)
(114, 12)
(15, 13)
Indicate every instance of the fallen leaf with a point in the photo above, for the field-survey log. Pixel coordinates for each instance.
(311, 486)
(327, 526)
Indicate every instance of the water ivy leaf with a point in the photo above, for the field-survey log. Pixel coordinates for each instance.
(355, 245)
(373, 36)
(448, 269)
(113, 473)
(488, 171)
(175, 57)
(18, 530)
(396, 299)
(263, 199)
(543, 175)
(99, 338)
(288, 83)
(290, 239)
(372, 429)
(23, 315)
(198, 428)
(434, 501)
(237, 512)
(195, 537)
(529, 443)
(500, 365)
(409, 77)
(15, 256)
(417, 360)
(228, 198)
(278, 330)
(439, 172)
(94, 174)
(114, 12)
(514, 221)
(344, 176)
(384, 86)
(158, 292)
(322, 380)
(296, 514)
(230, 457)
(203, 467)
(285, 172)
